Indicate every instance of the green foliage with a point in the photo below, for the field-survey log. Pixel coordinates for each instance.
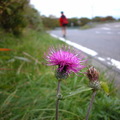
(103, 19)
(16, 15)
(34, 19)
(12, 15)
(84, 21)
(74, 21)
(109, 19)
(50, 22)
(107, 108)
(28, 86)
(96, 19)
(105, 87)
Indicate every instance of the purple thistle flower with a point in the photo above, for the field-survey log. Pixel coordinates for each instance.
(67, 59)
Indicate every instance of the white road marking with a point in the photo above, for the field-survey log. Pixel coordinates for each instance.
(109, 61)
(101, 59)
(84, 49)
(80, 47)
(53, 35)
(114, 62)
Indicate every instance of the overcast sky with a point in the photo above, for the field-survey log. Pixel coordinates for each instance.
(78, 8)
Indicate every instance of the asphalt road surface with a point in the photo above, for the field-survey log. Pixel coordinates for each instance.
(103, 41)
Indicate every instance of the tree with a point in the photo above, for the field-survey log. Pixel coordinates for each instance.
(12, 15)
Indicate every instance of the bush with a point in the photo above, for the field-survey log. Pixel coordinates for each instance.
(12, 15)
(84, 21)
(34, 19)
(50, 22)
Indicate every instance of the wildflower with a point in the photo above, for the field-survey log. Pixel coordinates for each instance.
(67, 59)
(93, 76)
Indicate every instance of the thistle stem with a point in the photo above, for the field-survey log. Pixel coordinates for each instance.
(90, 105)
(57, 101)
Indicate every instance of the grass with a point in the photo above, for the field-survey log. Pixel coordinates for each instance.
(28, 86)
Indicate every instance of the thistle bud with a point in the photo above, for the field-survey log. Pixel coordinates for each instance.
(93, 76)
(95, 85)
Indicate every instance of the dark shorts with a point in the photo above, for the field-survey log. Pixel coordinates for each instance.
(64, 25)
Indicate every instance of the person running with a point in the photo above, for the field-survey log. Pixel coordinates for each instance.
(63, 23)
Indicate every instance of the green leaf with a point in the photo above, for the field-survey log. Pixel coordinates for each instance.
(105, 87)
(22, 58)
(78, 91)
(9, 11)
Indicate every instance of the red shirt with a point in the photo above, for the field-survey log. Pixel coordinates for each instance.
(63, 20)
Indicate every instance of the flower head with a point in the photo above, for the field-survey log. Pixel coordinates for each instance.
(93, 76)
(67, 59)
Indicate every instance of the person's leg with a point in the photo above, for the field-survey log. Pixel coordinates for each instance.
(64, 31)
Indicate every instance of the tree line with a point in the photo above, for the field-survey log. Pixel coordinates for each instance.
(52, 21)
(15, 15)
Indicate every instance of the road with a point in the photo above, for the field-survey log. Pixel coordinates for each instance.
(102, 42)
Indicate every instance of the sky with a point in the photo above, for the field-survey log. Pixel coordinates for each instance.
(78, 8)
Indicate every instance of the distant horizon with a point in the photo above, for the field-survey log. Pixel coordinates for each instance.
(80, 17)
(78, 8)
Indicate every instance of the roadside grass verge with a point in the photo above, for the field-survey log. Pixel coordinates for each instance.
(28, 86)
